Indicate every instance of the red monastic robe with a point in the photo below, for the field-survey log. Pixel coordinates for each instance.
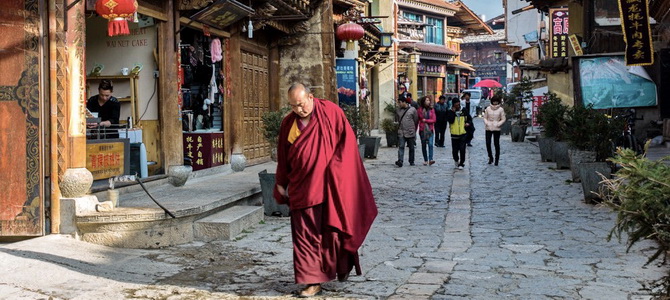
(323, 167)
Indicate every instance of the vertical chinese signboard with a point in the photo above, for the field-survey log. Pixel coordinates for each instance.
(346, 70)
(204, 149)
(636, 32)
(558, 39)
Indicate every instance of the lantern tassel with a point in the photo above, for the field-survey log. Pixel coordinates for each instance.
(118, 27)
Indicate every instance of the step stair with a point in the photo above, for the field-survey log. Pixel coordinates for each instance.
(228, 223)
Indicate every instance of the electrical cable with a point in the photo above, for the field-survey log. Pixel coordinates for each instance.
(150, 98)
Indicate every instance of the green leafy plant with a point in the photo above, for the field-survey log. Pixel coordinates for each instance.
(358, 118)
(517, 98)
(603, 132)
(640, 195)
(271, 123)
(578, 127)
(552, 116)
(389, 126)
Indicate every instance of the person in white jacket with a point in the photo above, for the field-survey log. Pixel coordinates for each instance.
(494, 117)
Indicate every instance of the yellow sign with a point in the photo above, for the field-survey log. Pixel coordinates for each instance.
(105, 160)
(574, 42)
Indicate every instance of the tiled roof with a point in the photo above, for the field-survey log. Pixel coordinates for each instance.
(423, 47)
(498, 35)
(439, 3)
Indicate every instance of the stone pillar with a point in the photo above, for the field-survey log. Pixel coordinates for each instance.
(412, 74)
(237, 158)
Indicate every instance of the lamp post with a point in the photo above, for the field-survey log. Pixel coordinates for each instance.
(386, 39)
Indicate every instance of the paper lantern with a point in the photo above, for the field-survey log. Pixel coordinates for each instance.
(350, 32)
(117, 12)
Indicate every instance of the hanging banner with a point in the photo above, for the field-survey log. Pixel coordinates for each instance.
(558, 39)
(636, 32)
(346, 71)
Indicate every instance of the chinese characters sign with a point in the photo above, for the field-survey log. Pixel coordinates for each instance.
(204, 149)
(431, 70)
(558, 39)
(346, 70)
(636, 32)
(105, 160)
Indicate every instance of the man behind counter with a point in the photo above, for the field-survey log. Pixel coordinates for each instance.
(107, 107)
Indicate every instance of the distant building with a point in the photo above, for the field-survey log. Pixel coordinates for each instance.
(485, 53)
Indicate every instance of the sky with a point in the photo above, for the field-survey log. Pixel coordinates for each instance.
(490, 8)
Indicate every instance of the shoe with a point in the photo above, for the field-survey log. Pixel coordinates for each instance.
(412, 164)
(432, 162)
(490, 160)
(425, 163)
(496, 163)
(310, 291)
(398, 163)
(469, 145)
(460, 167)
(342, 277)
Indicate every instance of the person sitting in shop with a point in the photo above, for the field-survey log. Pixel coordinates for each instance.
(107, 107)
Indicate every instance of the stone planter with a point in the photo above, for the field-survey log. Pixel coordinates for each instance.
(561, 156)
(518, 133)
(577, 157)
(361, 149)
(506, 127)
(590, 174)
(270, 206)
(546, 152)
(372, 144)
(392, 139)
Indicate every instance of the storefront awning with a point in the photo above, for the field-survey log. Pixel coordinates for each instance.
(461, 65)
(433, 48)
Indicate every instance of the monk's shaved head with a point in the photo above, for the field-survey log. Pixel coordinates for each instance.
(301, 100)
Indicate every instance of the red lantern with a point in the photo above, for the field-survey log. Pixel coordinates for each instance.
(350, 32)
(116, 11)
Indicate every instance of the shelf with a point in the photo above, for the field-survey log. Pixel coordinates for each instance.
(125, 99)
(133, 99)
(131, 76)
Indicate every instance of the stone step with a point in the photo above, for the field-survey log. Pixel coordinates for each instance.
(228, 223)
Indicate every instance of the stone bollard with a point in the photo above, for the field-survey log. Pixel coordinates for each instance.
(76, 183)
(179, 174)
(238, 162)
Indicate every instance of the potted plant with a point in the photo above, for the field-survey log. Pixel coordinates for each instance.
(578, 134)
(638, 193)
(271, 125)
(518, 98)
(359, 120)
(552, 115)
(389, 126)
(603, 131)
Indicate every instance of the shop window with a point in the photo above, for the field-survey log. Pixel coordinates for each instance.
(434, 31)
(413, 17)
(606, 13)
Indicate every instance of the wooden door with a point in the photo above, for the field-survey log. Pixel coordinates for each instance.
(21, 184)
(256, 99)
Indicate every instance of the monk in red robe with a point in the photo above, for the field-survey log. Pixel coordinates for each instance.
(321, 176)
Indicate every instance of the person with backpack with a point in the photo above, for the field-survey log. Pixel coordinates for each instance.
(459, 120)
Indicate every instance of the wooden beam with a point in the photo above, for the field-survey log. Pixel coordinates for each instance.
(152, 13)
(184, 21)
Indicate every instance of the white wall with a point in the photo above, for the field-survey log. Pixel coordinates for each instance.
(384, 89)
(519, 24)
(124, 52)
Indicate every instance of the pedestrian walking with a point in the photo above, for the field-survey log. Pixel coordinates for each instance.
(408, 119)
(470, 129)
(426, 129)
(320, 175)
(494, 117)
(440, 121)
(459, 120)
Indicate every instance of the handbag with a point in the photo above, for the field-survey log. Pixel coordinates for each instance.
(426, 133)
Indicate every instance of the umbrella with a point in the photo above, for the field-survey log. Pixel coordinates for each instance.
(489, 83)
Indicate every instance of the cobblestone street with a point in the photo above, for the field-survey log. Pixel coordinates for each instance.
(519, 230)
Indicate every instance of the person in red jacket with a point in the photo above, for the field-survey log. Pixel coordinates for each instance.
(427, 120)
(321, 176)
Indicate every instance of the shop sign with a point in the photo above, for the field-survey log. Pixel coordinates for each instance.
(431, 70)
(346, 71)
(537, 102)
(558, 40)
(576, 46)
(222, 13)
(204, 149)
(636, 32)
(106, 159)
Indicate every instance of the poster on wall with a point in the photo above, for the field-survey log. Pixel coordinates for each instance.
(346, 70)
(606, 82)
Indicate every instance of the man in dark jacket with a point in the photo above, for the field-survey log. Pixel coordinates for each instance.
(441, 122)
(408, 119)
(470, 129)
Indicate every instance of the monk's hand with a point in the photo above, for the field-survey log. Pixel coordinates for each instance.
(282, 190)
